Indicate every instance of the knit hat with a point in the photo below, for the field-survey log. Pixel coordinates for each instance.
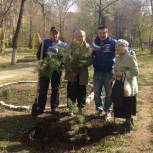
(123, 42)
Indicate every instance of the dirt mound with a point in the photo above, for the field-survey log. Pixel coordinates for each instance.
(79, 131)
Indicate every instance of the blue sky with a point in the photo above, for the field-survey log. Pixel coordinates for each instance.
(74, 8)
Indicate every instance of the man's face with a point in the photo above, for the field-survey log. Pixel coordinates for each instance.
(54, 35)
(80, 37)
(103, 34)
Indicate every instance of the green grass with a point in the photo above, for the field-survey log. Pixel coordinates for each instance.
(113, 144)
(145, 62)
(7, 93)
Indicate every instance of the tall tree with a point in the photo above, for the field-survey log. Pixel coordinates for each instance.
(31, 10)
(151, 44)
(42, 4)
(16, 34)
(94, 13)
(125, 15)
(5, 6)
(61, 8)
(151, 2)
(103, 4)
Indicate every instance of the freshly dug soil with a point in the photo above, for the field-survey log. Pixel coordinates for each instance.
(68, 133)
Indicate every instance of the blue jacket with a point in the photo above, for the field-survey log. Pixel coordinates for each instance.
(103, 54)
(51, 46)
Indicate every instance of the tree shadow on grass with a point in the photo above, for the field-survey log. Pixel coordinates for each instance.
(55, 133)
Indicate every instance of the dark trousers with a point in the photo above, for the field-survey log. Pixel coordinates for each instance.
(43, 89)
(77, 92)
(125, 108)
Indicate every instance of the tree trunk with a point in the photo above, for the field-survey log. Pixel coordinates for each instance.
(140, 38)
(44, 16)
(44, 19)
(151, 44)
(100, 12)
(1, 46)
(151, 47)
(30, 32)
(60, 26)
(42, 5)
(16, 34)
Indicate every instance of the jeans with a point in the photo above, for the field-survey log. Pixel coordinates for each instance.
(43, 89)
(100, 80)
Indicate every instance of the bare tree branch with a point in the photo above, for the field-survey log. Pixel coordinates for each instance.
(109, 4)
(5, 11)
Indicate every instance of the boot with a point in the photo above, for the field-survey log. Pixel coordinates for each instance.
(132, 122)
(128, 125)
(36, 110)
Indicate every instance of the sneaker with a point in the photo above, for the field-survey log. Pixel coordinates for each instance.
(108, 116)
(36, 110)
(98, 113)
(72, 114)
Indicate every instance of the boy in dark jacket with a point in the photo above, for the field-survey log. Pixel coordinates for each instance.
(103, 61)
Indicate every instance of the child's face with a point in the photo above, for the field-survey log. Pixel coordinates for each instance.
(80, 37)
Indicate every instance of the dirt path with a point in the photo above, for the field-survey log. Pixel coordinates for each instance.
(17, 74)
(139, 141)
(14, 73)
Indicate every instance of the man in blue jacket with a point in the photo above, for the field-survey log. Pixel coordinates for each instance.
(103, 61)
(48, 48)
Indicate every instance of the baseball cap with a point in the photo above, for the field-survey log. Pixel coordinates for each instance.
(54, 30)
